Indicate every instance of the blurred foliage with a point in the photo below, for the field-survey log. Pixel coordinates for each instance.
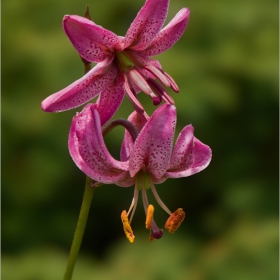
(226, 65)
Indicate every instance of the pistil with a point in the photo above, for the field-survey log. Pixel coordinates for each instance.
(155, 232)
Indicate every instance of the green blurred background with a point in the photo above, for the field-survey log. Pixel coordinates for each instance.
(226, 65)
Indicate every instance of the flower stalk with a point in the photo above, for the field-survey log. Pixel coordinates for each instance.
(86, 203)
(80, 228)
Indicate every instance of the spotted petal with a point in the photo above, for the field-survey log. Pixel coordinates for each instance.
(189, 156)
(146, 25)
(182, 150)
(93, 42)
(110, 99)
(170, 34)
(88, 150)
(82, 90)
(153, 146)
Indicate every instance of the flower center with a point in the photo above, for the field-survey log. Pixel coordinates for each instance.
(143, 183)
(140, 76)
(143, 180)
(123, 61)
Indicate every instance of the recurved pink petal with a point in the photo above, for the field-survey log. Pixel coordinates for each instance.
(197, 157)
(170, 34)
(93, 42)
(146, 25)
(110, 99)
(82, 90)
(153, 146)
(182, 150)
(88, 150)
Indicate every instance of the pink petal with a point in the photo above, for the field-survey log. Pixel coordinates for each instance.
(153, 146)
(88, 150)
(110, 99)
(93, 42)
(125, 182)
(82, 90)
(182, 150)
(196, 157)
(146, 25)
(170, 34)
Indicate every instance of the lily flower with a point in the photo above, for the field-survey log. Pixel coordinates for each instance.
(123, 63)
(146, 158)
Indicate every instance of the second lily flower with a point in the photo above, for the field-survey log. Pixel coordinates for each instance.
(147, 158)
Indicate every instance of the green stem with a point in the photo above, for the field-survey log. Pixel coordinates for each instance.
(80, 228)
(87, 198)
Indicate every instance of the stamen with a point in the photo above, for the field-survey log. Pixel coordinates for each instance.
(173, 84)
(159, 74)
(134, 202)
(155, 231)
(150, 215)
(131, 207)
(175, 220)
(138, 79)
(160, 91)
(126, 227)
(134, 100)
(141, 82)
(159, 201)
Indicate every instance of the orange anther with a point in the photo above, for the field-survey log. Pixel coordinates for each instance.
(175, 220)
(150, 215)
(126, 227)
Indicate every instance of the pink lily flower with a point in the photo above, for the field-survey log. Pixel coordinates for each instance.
(123, 63)
(147, 158)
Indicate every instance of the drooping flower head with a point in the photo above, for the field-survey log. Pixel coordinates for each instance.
(147, 158)
(123, 63)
